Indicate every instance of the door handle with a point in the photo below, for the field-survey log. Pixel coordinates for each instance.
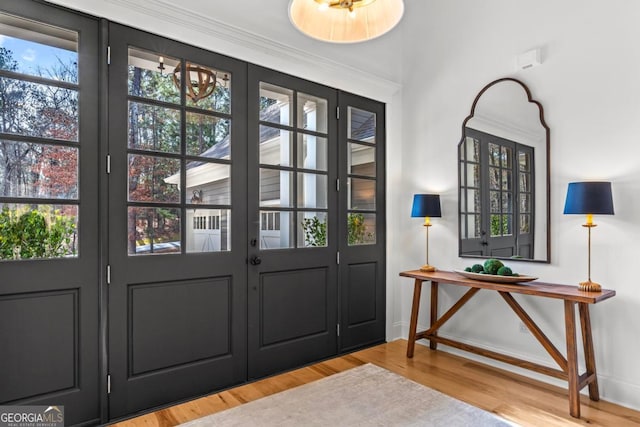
(255, 260)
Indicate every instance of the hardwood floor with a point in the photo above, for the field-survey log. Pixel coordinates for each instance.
(516, 398)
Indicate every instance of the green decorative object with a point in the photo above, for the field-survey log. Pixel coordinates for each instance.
(505, 271)
(492, 265)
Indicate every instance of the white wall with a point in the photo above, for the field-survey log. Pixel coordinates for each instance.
(589, 85)
(443, 53)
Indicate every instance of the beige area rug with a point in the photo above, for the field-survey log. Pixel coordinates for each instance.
(363, 396)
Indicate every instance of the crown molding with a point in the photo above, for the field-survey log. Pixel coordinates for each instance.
(237, 42)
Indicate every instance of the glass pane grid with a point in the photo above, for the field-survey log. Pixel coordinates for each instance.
(178, 185)
(39, 102)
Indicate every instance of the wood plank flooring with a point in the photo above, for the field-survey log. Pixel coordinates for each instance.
(519, 399)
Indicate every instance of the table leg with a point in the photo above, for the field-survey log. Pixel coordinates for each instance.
(415, 307)
(434, 312)
(589, 354)
(572, 358)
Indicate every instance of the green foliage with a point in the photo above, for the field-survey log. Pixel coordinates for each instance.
(500, 225)
(492, 265)
(315, 231)
(477, 268)
(504, 271)
(468, 269)
(357, 229)
(27, 234)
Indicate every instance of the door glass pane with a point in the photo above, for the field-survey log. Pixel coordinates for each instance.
(472, 146)
(312, 229)
(473, 175)
(494, 154)
(473, 226)
(38, 110)
(361, 125)
(361, 160)
(207, 183)
(312, 113)
(312, 152)
(38, 170)
(208, 136)
(494, 201)
(506, 157)
(208, 230)
(525, 203)
(494, 178)
(361, 229)
(206, 88)
(38, 49)
(150, 76)
(153, 230)
(524, 161)
(507, 204)
(275, 104)
(525, 185)
(362, 193)
(312, 190)
(38, 231)
(525, 224)
(154, 179)
(276, 146)
(506, 180)
(276, 188)
(154, 128)
(276, 229)
(473, 201)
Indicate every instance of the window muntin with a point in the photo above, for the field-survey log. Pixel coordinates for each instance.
(39, 147)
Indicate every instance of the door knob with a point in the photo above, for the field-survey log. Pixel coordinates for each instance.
(256, 260)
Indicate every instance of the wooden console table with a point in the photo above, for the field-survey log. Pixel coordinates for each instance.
(569, 294)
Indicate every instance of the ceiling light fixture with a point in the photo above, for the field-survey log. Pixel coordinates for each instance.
(201, 81)
(345, 21)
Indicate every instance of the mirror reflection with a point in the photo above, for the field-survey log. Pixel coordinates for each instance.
(503, 159)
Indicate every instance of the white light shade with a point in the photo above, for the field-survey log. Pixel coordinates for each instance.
(337, 25)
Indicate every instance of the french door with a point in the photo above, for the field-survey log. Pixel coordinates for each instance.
(177, 214)
(49, 255)
(292, 222)
(246, 221)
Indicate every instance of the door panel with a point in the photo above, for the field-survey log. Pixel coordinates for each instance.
(49, 209)
(362, 222)
(292, 272)
(177, 244)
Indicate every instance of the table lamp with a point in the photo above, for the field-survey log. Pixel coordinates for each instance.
(427, 206)
(589, 198)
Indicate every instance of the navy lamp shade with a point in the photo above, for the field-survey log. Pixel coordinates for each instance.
(427, 206)
(589, 198)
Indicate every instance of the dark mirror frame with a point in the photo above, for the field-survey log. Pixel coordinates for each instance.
(547, 171)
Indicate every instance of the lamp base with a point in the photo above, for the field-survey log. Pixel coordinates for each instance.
(427, 268)
(590, 286)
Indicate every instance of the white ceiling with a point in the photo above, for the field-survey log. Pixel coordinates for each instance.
(264, 20)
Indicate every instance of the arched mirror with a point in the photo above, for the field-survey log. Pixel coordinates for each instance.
(503, 158)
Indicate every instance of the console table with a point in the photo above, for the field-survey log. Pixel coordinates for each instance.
(569, 294)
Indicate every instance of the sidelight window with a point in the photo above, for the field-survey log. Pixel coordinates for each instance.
(361, 173)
